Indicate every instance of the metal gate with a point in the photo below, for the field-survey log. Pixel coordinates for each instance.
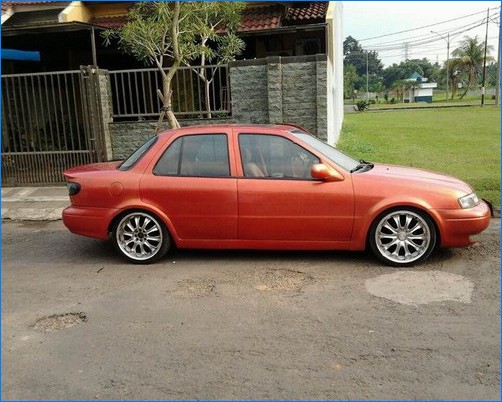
(49, 124)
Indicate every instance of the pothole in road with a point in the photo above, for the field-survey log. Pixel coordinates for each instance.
(57, 322)
(196, 287)
(281, 280)
(415, 288)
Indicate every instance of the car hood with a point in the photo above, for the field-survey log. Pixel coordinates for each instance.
(407, 174)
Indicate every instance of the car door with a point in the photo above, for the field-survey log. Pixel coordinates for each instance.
(279, 200)
(192, 184)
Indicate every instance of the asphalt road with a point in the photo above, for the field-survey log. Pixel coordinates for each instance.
(79, 323)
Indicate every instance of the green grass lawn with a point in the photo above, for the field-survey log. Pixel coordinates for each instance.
(462, 142)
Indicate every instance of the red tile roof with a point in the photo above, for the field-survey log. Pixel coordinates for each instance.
(33, 3)
(277, 15)
(254, 18)
(109, 22)
(259, 18)
(312, 11)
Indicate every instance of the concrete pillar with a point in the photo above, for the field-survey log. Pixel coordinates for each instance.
(105, 96)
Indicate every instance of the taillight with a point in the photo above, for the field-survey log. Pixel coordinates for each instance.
(73, 188)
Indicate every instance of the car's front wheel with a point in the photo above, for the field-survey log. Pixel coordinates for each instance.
(141, 237)
(402, 237)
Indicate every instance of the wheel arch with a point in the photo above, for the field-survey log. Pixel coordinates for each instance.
(141, 208)
(379, 213)
(409, 258)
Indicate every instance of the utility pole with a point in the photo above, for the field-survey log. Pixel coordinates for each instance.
(367, 78)
(484, 61)
(447, 59)
(497, 89)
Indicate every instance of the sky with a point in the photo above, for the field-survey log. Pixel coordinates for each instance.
(369, 19)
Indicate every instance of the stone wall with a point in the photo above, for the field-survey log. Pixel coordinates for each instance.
(281, 90)
(263, 91)
(127, 136)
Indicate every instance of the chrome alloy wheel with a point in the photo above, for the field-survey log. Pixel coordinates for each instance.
(403, 236)
(139, 236)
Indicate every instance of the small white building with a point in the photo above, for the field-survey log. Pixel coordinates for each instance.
(423, 92)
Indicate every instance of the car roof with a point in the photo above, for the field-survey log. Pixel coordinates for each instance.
(212, 127)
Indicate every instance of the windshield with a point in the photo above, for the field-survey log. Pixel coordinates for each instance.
(333, 154)
(138, 154)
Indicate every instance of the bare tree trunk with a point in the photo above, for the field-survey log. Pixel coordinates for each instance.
(166, 96)
(203, 76)
(208, 98)
(168, 92)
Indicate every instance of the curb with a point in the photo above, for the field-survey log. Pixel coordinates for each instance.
(32, 214)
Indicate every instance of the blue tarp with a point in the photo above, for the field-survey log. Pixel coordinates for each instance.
(11, 54)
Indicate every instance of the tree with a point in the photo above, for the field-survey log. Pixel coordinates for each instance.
(349, 79)
(351, 45)
(406, 68)
(455, 69)
(362, 60)
(169, 35)
(469, 60)
(213, 47)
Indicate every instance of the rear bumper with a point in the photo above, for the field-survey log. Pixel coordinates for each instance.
(456, 226)
(90, 222)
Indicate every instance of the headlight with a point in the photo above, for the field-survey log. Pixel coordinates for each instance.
(468, 201)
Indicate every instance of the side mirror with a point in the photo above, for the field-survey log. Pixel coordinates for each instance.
(323, 172)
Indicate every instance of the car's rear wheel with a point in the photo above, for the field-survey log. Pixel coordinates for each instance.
(141, 237)
(402, 237)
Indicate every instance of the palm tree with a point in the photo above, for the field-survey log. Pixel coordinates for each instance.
(455, 68)
(468, 61)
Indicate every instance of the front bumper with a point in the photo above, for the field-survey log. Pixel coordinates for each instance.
(90, 222)
(457, 225)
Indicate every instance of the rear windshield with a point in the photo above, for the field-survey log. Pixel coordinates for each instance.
(138, 154)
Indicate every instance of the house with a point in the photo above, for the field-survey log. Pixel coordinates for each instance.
(423, 91)
(67, 34)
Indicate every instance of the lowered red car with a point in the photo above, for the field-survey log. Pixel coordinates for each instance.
(267, 187)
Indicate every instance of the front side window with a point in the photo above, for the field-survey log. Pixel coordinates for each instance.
(197, 156)
(333, 154)
(274, 156)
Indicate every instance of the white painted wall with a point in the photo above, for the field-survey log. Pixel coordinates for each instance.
(334, 44)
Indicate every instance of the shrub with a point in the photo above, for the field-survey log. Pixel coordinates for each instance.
(362, 105)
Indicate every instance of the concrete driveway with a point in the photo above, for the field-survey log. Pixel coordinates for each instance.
(79, 323)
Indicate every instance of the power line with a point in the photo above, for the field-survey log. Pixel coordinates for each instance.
(421, 40)
(427, 26)
(415, 37)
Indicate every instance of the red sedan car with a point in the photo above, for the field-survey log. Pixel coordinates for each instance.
(267, 187)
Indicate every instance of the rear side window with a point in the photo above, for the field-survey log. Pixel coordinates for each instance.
(196, 156)
(138, 154)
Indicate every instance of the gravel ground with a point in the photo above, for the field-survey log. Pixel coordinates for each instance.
(79, 323)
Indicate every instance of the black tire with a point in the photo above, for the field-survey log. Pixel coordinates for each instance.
(402, 237)
(141, 237)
